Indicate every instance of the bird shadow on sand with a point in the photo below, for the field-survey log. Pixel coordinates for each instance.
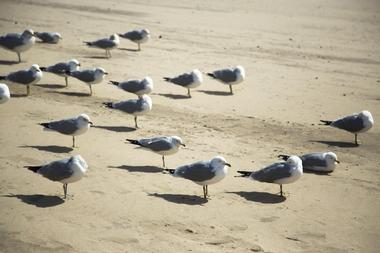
(96, 57)
(5, 62)
(181, 198)
(51, 86)
(173, 96)
(51, 148)
(18, 95)
(129, 49)
(116, 128)
(261, 197)
(340, 144)
(143, 169)
(38, 200)
(216, 93)
(72, 94)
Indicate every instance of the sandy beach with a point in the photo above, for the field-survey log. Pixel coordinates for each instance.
(304, 61)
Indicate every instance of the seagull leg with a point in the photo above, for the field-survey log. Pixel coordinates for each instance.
(90, 89)
(231, 89)
(19, 56)
(163, 161)
(281, 190)
(188, 92)
(73, 142)
(109, 53)
(136, 126)
(27, 90)
(205, 192)
(66, 81)
(65, 190)
(356, 139)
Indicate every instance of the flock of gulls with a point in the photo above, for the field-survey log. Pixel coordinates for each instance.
(203, 173)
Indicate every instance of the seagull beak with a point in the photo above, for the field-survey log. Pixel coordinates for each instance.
(227, 164)
(337, 161)
(106, 73)
(91, 124)
(183, 145)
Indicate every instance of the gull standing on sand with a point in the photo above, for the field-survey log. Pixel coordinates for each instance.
(62, 68)
(49, 37)
(278, 173)
(165, 145)
(17, 42)
(25, 77)
(5, 95)
(356, 123)
(187, 80)
(204, 172)
(319, 162)
(136, 107)
(138, 87)
(137, 36)
(230, 76)
(107, 44)
(89, 76)
(66, 171)
(71, 126)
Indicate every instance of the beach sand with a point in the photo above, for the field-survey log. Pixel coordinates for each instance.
(304, 61)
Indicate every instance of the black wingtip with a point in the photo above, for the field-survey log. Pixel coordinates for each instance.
(33, 168)
(136, 142)
(108, 104)
(43, 68)
(211, 74)
(87, 43)
(171, 171)
(244, 173)
(44, 124)
(114, 82)
(284, 157)
(167, 79)
(2, 77)
(326, 122)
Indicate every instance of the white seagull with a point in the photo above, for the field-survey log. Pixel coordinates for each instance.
(89, 76)
(324, 162)
(62, 68)
(138, 87)
(187, 80)
(17, 42)
(137, 36)
(107, 44)
(49, 37)
(5, 95)
(230, 76)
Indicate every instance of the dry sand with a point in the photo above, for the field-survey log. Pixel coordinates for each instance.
(305, 61)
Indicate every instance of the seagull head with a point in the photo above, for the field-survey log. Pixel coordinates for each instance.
(35, 68)
(197, 76)
(85, 119)
(294, 161)
(115, 38)
(145, 32)
(367, 117)
(74, 64)
(219, 162)
(101, 71)
(178, 141)
(239, 70)
(79, 161)
(28, 33)
(57, 36)
(331, 158)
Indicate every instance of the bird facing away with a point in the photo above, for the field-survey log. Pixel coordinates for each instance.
(138, 87)
(136, 107)
(165, 145)
(323, 162)
(49, 37)
(204, 172)
(25, 77)
(62, 68)
(71, 126)
(89, 76)
(187, 80)
(107, 44)
(17, 42)
(137, 36)
(278, 173)
(5, 95)
(356, 123)
(66, 171)
(229, 76)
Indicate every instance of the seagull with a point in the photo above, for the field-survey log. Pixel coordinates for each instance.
(137, 36)
(356, 123)
(62, 68)
(319, 162)
(229, 76)
(203, 173)
(71, 126)
(17, 42)
(278, 173)
(187, 80)
(49, 37)
(4, 93)
(136, 107)
(25, 77)
(138, 87)
(66, 171)
(89, 76)
(106, 44)
(165, 145)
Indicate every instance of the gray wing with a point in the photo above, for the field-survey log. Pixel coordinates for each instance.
(86, 76)
(11, 40)
(313, 160)
(133, 35)
(22, 76)
(45, 36)
(129, 106)
(352, 123)
(225, 75)
(157, 143)
(57, 170)
(65, 126)
(103, 43)
(59, 68)
(183, 80)
(198, 172)
(272, 173)
(132, 86)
